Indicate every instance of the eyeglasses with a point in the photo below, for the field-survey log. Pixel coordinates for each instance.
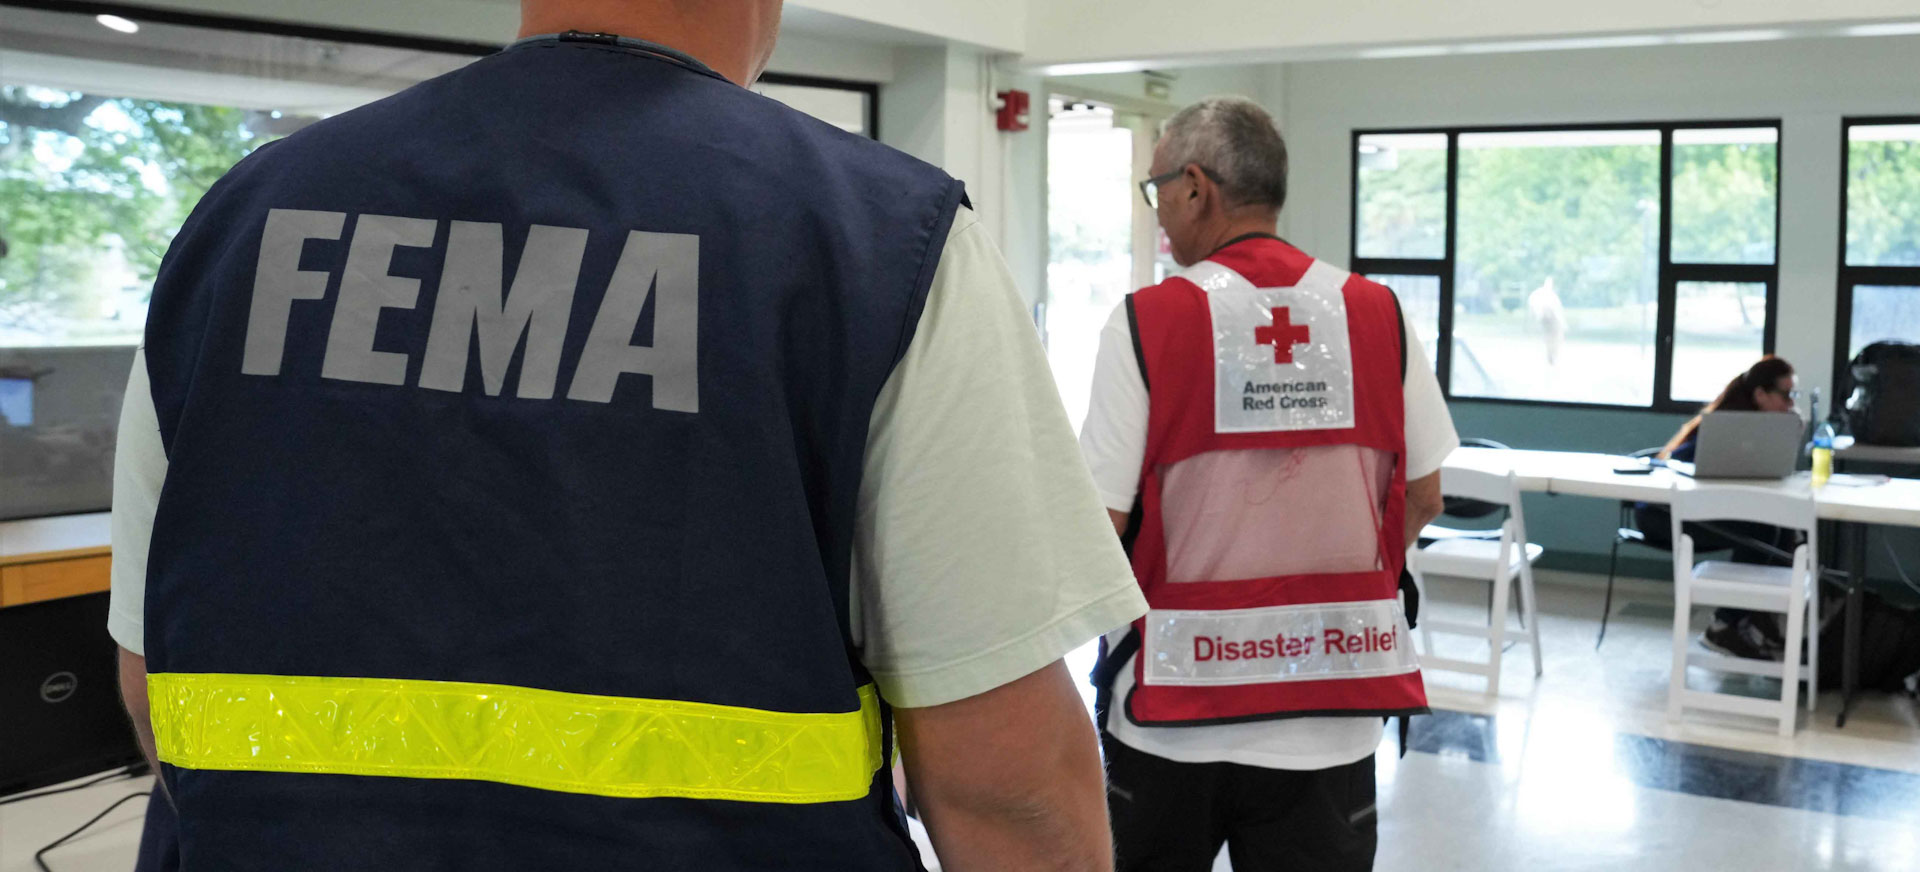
(1789, 394)
(1150, 189)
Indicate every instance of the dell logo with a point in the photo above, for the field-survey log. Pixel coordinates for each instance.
(59, 686)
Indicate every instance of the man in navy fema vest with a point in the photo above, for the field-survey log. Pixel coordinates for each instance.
(577, 461)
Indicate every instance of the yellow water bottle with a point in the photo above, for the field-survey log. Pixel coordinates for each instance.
(1822, 453)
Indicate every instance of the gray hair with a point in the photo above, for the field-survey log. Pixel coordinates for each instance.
(1237, 142)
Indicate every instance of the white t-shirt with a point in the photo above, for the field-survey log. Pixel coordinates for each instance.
(1114, 441)
(981, 552)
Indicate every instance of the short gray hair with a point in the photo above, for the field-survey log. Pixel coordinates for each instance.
(1237, 142)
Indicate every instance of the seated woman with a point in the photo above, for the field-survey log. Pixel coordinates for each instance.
(1767, 386)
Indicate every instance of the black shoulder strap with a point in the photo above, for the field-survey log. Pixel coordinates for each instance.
(1400, 322)
(1132, 531)
(1107, 669)
(1139, 354)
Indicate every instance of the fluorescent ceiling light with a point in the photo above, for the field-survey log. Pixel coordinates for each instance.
(1404, 51)
(1095, 69)
(115, 22)
(1556, 44)
(1729, 36)
(1903, 28)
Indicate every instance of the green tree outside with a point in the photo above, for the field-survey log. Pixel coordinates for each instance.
(1883, 203)
(92, 190)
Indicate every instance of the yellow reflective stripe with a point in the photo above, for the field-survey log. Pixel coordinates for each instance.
(572, 742)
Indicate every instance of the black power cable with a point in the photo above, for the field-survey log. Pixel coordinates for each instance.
(39, 857)
(120, 774)
(1902, 570)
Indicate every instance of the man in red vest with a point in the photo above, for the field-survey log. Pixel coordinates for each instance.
(1268, 442)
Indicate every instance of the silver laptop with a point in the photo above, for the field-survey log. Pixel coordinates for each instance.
(1747, 445)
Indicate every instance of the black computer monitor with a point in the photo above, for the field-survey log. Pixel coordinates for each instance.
(59, 413)
(60, 712)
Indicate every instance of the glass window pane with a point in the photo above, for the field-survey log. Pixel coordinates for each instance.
(1090, 201)
(1725, 194)
(1420, 299)
(1883, 195)
(1403, 195)
(107, 140)
(1718, 331)
(1883, 312)
(1556, 281)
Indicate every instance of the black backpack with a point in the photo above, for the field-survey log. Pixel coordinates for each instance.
(1889, 646)
(1885, 406)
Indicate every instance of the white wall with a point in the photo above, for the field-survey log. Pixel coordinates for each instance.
(486, 21)
(939, 107)
(1021, 198)
(804, 54)
(1077, 31)
(993, 24)
(1808, 84)
(496, 22)
(1186, 85)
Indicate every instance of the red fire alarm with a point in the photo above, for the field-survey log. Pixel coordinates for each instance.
(1012, 112)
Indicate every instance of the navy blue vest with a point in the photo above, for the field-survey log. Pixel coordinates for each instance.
(357, 489)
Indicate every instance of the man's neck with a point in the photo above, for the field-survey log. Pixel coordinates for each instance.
(1237, 226)
(707, 39)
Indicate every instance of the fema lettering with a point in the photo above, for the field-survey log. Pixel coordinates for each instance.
(532, 313)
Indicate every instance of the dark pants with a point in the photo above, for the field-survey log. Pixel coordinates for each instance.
(1173, 817)
(160, 838)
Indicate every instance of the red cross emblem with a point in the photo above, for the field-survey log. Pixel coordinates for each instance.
(1283, 335)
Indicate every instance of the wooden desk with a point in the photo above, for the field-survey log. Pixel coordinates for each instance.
(51, 558)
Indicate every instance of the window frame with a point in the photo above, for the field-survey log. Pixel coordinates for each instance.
(870, 89)
(240, 24)
(268, 27)
(1670, 274)
(262, 26)
(1850, 276)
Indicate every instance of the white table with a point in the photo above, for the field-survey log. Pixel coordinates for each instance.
(1895, 503)
(65, 536)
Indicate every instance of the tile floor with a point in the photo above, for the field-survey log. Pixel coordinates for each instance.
(1578, 770)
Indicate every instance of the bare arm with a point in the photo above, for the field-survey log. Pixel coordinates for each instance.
(1011, 779)
(133, 694)
(1423, 504)
(1119, 520)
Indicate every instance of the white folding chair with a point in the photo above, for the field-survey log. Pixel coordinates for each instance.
(1790, 591)
(1501, 559)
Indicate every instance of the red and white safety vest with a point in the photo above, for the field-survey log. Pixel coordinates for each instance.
(1273, 493)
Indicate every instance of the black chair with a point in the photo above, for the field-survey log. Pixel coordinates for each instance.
(1628, 531)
